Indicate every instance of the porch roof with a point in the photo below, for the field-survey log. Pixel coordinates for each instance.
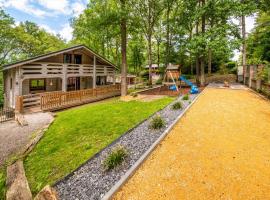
(47, 55)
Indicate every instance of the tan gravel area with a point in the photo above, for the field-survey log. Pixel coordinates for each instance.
(219, 150)
(14, 137)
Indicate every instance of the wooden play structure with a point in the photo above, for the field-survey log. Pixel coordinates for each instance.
(172, 74)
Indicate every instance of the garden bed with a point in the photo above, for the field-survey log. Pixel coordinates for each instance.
(91, 181)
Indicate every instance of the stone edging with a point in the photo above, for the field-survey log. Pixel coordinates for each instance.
(139, 162)
(258, 94)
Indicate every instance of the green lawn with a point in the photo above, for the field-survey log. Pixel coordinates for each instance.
(2, 184)
(77, 134)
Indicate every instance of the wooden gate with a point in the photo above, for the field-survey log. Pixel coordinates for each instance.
(6, 114)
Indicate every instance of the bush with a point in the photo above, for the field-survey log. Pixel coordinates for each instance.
(159, 81)
(156, 123)
(115, 158)
(134, 94)
(185, 97)
(177, 105)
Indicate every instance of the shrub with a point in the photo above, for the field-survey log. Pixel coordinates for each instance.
(134, 95)
(115, 158)
(156, 123)
(185, 97)
(177, 105)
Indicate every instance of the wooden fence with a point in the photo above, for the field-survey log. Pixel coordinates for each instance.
(59, 100)
(6, 114)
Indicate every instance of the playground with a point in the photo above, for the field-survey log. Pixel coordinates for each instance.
(218, 150)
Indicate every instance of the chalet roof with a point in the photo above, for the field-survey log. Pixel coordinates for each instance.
(47, 55)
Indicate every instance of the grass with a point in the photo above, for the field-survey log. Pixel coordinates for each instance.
(157, 123)
(185, 97)
(115, 158)
(2, 183)
(177, 105)
(77, 134)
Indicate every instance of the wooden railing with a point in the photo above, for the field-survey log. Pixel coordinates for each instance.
(59, 100)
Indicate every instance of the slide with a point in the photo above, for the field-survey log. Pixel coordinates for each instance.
(194, 89)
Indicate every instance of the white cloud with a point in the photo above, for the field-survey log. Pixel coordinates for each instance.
(59, 6)
(23, 5)
(77, 8)
(49, 7)
(48, 29)
(66, 32)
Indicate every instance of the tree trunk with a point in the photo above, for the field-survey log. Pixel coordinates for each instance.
(209, 61)
(197, 59)
(244, 47)
(158, 54)
(167, 34)
(202, 75)
(190, 56)
(150, 58)
(197, 70)
(123, 51)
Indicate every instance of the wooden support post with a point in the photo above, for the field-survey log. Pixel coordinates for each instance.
(94, 72)
(64, 79)
(113, 76)
(19, 104)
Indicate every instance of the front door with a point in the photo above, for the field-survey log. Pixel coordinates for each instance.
(73, 83)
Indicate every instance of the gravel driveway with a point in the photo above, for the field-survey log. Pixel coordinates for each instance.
(14, 137)
(219, 150)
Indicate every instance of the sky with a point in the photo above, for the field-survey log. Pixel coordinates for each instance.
(54, 15)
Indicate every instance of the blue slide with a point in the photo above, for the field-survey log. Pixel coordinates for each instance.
(194, 89)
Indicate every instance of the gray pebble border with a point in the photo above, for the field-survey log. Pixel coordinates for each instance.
(91, 181)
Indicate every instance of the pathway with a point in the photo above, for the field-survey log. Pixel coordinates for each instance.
(14, 137)
(219, 150)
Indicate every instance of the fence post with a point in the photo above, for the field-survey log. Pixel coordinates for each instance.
(19, 104)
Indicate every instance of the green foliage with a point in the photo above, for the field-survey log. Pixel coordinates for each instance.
(185, 97)
(78, 134)
(156, 122)
(115, 158)
(177, 105)
(258, 43)
(24, 40)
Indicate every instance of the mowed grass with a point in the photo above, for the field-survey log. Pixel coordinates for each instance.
(2, 184)
(77, 134)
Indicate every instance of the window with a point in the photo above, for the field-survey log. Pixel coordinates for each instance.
(78, 59)
(67, 58)
(37, 84)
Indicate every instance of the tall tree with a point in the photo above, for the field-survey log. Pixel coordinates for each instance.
(123, 49)
(149, 12)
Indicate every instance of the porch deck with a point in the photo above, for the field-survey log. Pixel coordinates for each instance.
(52, 101)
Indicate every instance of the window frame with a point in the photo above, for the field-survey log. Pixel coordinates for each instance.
(37, 88)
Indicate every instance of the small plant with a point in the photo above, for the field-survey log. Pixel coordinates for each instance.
(134, 95)
(156, 123)
(185, 97)
(177, 105)
(115, 158)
